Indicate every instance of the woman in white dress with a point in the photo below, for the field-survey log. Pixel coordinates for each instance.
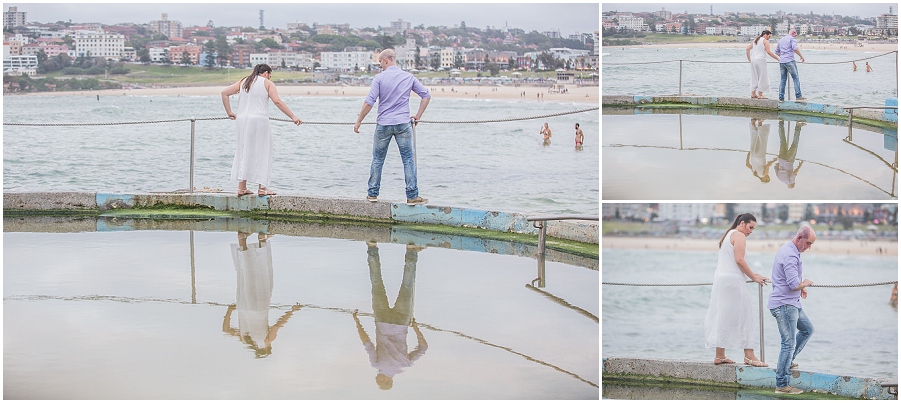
(253, 158)
(730, 321)
(756, 53)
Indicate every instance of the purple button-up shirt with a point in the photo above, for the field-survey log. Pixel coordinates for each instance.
(392, 89)
(785, 48)
(786, 277)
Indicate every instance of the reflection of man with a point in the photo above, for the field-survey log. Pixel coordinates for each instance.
(389, 353)
(785, 168)
(785, 305)
(254, 267)
(756, 159)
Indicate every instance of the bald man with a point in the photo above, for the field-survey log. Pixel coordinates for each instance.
(785, 305)
(391, 88)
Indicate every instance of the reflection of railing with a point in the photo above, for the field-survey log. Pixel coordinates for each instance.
(851, 109)
(759, 296)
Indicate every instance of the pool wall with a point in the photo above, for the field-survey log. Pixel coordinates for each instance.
(746, 375)
(882, 115)
(581, 231)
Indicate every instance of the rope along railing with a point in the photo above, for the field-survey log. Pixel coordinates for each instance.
(759, 295)
(788, 84)
(194, 120)
(305, 122)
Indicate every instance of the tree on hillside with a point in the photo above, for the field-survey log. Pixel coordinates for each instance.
(185, 58)
(166, 60)
(417, 60)
(223, 50)
(210, 49)
(436, 61)
(458, 60)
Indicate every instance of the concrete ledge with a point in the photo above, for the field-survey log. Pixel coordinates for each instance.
(581, 231)
(746, 375)
(700, 370)
(50, 201)
(883, 115)
(358, 208)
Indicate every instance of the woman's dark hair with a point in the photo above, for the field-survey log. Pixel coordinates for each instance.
(746, 218)
(257, 70)
(765, 32)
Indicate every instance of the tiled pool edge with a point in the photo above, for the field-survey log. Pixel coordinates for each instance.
(745, 375)
(581, 231)
(887, 115)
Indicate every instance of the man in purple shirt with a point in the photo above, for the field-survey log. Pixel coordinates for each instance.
(786, 49)
(785, 305)
(392, 89)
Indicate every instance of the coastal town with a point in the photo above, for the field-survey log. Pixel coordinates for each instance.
(621, 27)
(331, 52)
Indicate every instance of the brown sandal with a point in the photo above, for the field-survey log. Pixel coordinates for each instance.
(755, 363)
(723, 360)
(265, 192)
(244, 192)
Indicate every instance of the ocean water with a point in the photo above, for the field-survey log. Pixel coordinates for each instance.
(855, 329)
(502, 166)
(820, 83)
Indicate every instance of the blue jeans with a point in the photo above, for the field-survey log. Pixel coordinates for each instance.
(790, 319)
(403, 135)
(784, 70)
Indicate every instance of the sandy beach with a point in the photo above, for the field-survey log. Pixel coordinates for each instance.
(873, 47)
(587, 95)
(822, 246)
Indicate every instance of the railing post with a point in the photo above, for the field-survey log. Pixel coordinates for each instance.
(850, 122)
(760, 305)
(191, 181)
(542, 233)
(680, 76)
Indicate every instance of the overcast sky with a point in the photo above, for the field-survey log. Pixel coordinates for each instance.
(568, 18)
(844, 8)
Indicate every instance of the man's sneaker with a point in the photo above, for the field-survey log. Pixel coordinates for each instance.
(801, 99)
(793, 366)
(418, 200)
(372, 198)
(789, 390)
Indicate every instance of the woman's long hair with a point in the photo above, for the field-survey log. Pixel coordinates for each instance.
(746, 218)
(765, 32)
(257, 70)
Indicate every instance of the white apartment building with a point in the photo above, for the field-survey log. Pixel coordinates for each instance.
(157, 55)
(447, 57)
(13, 18)
(887, 24)
(631, 22)
(99, 44)
(568, 54)
(258, 58)
(796, 211)
(171, 29)
(753, 30)
(686, 213)
(20, 62)
(347, 61)
(302, 60)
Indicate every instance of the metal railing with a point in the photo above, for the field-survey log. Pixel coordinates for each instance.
(851, 109)
(759, 296)
(540, 222)
(193, 120)
(788, 83)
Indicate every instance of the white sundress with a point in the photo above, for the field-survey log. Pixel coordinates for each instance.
(253, 156)
(759, 79)
(730, 321)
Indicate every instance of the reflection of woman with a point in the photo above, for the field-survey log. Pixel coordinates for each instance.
(254, 268)
(253, 158)
(730, 317)
(756, 53)
(756, 159)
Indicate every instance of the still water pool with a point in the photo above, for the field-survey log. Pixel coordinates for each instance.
(141, 309)
(695, 154)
